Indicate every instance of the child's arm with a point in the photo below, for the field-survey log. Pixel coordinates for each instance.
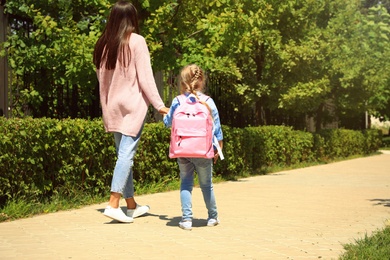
(168, 117)
(220, 144)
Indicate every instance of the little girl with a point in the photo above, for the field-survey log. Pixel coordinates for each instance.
(192, 81)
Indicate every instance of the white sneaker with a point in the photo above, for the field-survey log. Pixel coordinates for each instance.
(211, 222)
(117, 214)
(138, 211)
(185, 224)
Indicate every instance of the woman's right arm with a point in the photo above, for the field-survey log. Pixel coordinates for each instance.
(145, 73)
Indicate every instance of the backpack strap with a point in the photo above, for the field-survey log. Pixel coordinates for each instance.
(204, 97)
(179, 99)
(182, 98)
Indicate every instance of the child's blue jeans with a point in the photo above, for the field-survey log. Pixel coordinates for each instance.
(204, 168)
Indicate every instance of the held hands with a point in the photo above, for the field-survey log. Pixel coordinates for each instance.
(164, 111)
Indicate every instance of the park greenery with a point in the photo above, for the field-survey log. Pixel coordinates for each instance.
(375, 246)
(268, 62)
(42, 158)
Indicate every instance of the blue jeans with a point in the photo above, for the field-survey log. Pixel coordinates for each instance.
(204, 168)
(122, 180)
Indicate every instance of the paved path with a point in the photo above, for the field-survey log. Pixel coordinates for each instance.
(299, 214)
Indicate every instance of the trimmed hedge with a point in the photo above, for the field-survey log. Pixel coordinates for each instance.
(39, 157)
(386, 141)
(339, 143)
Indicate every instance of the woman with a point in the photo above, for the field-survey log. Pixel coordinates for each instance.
(127, 86)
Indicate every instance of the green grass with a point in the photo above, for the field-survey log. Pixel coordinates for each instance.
(23, 208)
(374, 247)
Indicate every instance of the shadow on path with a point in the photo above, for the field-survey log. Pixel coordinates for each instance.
(383, 202)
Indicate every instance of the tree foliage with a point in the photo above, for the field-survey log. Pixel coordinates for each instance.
(268, 61)
(49, 52)
(280, 59)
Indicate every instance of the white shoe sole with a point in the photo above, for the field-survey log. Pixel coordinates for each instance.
(122, 219)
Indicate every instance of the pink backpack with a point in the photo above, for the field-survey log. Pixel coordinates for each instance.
(192, 129)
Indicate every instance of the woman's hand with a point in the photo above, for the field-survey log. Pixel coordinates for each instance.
(164, 111)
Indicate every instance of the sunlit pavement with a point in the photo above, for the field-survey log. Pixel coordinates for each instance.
(305, 213)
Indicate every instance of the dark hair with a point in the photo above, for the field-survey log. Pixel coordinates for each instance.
(113, 44)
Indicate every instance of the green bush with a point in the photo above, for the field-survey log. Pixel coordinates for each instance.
(339, 143)
(372, 140)
(233, 151)
(43, 157)
(276, 145)
(151, 163)
(386, 141)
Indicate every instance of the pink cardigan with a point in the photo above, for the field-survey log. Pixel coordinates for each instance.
(125, 93)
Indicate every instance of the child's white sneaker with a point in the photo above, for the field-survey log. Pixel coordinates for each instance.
(185, 224)
(211, 222)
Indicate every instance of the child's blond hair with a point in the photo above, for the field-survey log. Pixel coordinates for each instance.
(192, 80)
